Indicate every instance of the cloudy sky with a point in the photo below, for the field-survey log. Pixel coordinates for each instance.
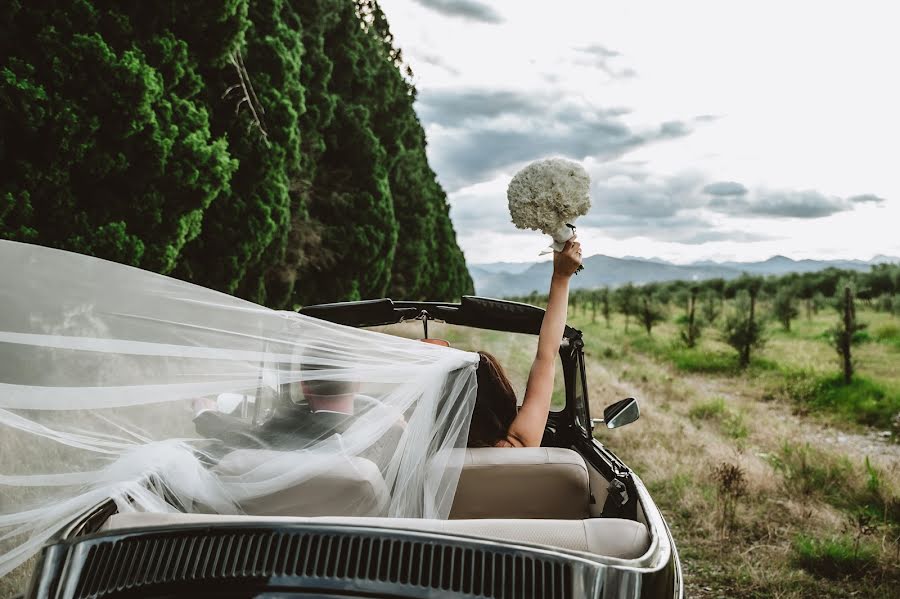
(711, 130)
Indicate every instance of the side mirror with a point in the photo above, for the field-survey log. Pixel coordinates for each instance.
(620, 413)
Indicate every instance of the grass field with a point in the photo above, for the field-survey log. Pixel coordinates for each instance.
(771, 479)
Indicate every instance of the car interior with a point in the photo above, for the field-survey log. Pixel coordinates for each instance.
(546, 496)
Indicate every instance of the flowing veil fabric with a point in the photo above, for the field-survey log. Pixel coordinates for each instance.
(124, 385)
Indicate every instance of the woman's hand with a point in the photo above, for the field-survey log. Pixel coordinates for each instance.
(567, 261)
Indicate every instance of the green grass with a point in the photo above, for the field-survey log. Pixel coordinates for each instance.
(708, 410)
(863, 400)
(809, 472)
(704, 361)
(730, 422)
(837, 557)
(888, 333)
(858, 490)
(800, 364)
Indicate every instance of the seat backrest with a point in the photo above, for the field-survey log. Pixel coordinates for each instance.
(349, 486)
(532, 482)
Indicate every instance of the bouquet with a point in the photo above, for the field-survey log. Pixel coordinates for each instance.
(547, 196)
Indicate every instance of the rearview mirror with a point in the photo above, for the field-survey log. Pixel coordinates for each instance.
(621, 413)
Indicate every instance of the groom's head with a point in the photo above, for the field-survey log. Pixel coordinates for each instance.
(324, 383)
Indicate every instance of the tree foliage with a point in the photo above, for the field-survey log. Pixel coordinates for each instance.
(846, 332)
(650, 311)
(784, 306)
(742, 330)
(691, 326)
(265, 148)
(625, 298)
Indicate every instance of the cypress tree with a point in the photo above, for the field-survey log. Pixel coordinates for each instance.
(265, 148)
(104, 138)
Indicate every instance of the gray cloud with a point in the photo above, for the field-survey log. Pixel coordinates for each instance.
(598, 50)
(485, 132)
(601, 57)
(628, 194)
(630, 201)
(459, 108)
(709, 235)
(471, 10)
(788, 203)
(437, 61)
(866, 198)
(725, 188)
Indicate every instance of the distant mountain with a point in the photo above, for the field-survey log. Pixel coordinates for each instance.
(882, 259)
(510, 267)
(651, 259)
(600, 270)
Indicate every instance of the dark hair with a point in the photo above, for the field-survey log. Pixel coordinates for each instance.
(495, 404)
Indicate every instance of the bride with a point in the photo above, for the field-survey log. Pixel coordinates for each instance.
(496, 421)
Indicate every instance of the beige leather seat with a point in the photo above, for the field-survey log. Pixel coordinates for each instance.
(532, 482)
(624, 539)
(523, 483)
(347, 486)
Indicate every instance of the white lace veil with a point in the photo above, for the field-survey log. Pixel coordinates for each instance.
(104, 368)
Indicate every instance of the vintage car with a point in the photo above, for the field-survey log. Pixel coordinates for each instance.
(568, 519)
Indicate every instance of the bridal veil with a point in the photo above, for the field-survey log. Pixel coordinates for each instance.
(124, 385)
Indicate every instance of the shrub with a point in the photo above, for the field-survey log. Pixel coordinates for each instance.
(731, 486)
(784, 307)
(742, 330)
(846, 333)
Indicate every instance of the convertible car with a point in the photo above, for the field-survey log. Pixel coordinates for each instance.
(568, 519)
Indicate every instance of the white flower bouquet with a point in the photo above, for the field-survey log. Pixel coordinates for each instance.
(547, 196)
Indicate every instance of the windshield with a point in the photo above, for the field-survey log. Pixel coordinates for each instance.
(515, 351)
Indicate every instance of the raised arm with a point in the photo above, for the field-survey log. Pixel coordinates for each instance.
(527, 429)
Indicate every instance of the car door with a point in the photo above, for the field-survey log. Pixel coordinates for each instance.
(622, 499)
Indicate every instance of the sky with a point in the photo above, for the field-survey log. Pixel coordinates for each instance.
(711, 130)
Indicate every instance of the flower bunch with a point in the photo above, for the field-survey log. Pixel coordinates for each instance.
(549, 194)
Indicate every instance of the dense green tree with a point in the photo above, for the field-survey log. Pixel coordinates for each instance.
(266, 148)
(256, 97)
(104, 134)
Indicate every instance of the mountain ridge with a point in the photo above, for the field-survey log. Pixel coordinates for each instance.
(601, 270)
